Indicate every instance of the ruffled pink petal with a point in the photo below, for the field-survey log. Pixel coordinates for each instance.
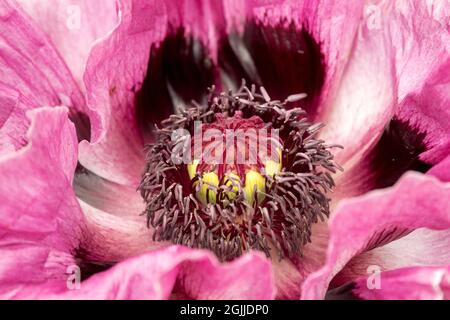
(40, 220)
(420, 44)
(44, 159)
(418, 283)
(13, 122)
(32, 271)
(365, 222)
(42, 226)
(115, 71)
(73, 26)
(198, 273)
(366, 97)
(420, 34)
(422, 247)
(427, 110)
(109, 238)
(32, 75)
(154, 275)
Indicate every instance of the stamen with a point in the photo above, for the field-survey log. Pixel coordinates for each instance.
(231, 209)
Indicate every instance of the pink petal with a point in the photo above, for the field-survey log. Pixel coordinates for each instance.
(198, 273)
(110, 238)
(422, 247)
(116, 226)
(204, 19)
(418, 283)
(376, 218)
(427, 109)
(420, 33)
(115, 71)
(416, 30)
(43, 271)
(32, 74)
(25, 168)
(13, 124)
(384, 162)
(365, 100)
(73, 26)
(41, 222)
(441, 170)
(40, 218)
(113, 198)
(154, 275)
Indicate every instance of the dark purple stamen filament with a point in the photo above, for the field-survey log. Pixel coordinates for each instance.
(294, 198)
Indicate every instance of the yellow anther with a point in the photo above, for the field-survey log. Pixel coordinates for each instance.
(232, 181)
(192, 169)
(208, 191)
(254, 182)
(271, 167)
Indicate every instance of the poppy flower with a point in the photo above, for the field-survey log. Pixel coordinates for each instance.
(93, 206)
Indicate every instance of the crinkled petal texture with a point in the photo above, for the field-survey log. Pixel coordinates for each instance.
(366, 97)
(197, 273)
(32, 75)
(363, 223)
(420, 248)
(41, 221)
(42, 228)
(115, 71)
(421, 36)
(414, 132)
(415, 283)
(73, 26)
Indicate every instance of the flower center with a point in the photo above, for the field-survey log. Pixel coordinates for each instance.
(233, 156)
(238, 173)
